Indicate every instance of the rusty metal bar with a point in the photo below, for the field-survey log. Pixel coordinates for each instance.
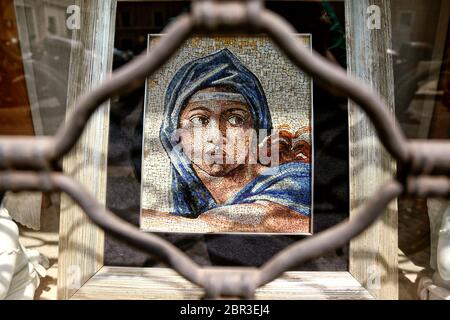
(30, 163)
(109, 222)
(334, 237)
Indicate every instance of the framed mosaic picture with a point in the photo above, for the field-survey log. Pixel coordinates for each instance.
(227, 140)
(371, 271)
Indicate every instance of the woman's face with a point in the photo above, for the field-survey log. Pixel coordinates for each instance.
(216, 134)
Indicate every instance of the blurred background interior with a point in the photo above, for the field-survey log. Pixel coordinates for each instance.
(35, 47)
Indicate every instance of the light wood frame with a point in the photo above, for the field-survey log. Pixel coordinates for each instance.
(373, 255)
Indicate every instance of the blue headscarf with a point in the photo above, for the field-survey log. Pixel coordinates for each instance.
(190, 196)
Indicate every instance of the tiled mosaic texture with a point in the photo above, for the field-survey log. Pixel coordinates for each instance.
(288, 91)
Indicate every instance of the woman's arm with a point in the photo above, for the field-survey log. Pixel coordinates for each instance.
(261, 216)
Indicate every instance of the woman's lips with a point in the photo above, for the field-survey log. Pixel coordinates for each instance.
(218, 156)
(215, 151)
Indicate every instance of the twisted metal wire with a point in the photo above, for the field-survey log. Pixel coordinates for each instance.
(31, 163)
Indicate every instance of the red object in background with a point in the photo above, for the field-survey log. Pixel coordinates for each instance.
(15, 112)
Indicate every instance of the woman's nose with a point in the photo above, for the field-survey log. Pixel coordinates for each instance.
(214, 133)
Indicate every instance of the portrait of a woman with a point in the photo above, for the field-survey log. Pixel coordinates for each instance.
(216, 124)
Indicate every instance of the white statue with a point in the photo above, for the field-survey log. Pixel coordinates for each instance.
(442, 276)
(19, 268)
(439, 286)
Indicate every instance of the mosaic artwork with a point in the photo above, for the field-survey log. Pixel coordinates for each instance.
(227, 140)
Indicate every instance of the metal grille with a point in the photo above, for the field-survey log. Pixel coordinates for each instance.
(33, 163)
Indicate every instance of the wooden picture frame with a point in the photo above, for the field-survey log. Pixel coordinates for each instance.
(373, 255)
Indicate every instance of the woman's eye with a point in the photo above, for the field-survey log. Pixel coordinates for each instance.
(199, 121)
(236, 121)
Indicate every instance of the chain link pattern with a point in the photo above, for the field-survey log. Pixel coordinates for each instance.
(32, 164)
